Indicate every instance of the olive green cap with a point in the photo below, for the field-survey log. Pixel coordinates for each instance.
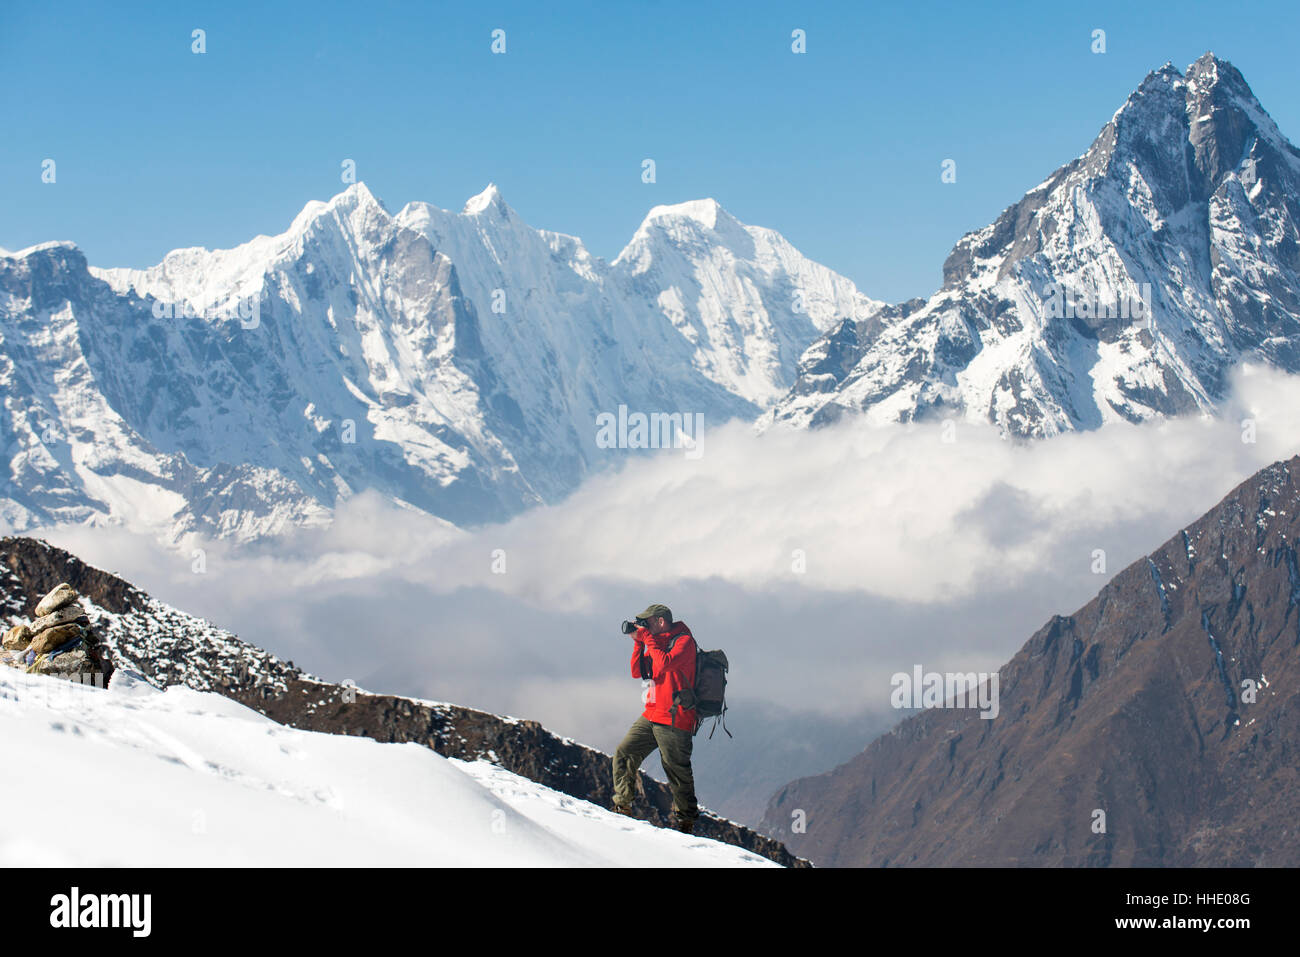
(655, 611)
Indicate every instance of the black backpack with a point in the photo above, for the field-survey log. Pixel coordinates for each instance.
(709, 695)
(711, 688)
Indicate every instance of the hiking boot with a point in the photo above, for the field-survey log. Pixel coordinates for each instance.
(622, 809)
(680, 822)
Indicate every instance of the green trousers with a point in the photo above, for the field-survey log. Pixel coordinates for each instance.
(674, 746)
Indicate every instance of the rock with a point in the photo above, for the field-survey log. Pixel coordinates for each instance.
(99, 654)
(85, 664)
(17, 638)
(13, 658)
(73, 665)
(60, 616)
(51, 638)
(63, 594)
(77, 665)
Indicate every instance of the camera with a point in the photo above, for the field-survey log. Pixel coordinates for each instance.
(631, 626)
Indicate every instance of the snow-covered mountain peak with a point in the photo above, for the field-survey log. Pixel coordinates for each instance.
(356, 198)
(356, 195)
(484, 215)
(1123, 287)
(355, 212)
(1217, 83)
(694, 220)
(1211, 91)
(353, 223)
(57, 244)
(684, 227)
(703, 211)
(1206, 70)
(489, 203)
(468, 353)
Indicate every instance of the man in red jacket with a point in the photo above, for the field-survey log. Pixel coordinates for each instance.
(663, 656)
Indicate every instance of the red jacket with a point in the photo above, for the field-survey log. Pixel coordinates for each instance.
(670, 668)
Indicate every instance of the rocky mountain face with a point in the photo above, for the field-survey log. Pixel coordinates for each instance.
(454, 362)
(1123, 287)
(1159, 725)
(165, 647)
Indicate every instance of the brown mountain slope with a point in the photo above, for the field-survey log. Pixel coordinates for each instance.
(1135, 706)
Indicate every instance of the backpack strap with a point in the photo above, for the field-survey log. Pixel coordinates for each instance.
(672, 712)
(673, 640)
(723, 719)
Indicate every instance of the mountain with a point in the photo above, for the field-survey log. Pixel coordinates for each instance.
(459, 363)
(163, 648)
(456, 363)
(1168, 703)
(1123, 287)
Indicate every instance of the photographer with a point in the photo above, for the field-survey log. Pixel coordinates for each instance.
(663, 656)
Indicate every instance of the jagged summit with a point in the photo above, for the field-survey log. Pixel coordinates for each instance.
(408, 327)
(488, 201)
(1123, 288)
(352, 196)
(1206, 66)
(356, 197)
(1208, 69)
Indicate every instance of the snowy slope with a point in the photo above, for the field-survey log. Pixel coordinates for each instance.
(187, 778)
(165, 648)
(454, 362)
(1124, 287)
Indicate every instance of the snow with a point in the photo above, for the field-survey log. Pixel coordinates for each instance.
(139, 504)
(133, 776)
(57, 244)
(703, 211)
(476, 205)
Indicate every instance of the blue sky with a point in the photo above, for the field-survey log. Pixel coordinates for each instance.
(839, 148)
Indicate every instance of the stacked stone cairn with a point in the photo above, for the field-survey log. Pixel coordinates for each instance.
(59, 642)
